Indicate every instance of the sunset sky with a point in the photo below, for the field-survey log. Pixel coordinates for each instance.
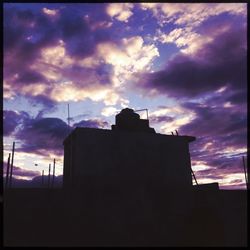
(185, 63)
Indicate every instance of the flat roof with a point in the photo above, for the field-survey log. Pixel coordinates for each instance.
(98, 130)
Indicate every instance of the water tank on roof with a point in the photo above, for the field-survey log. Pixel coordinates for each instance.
(128, 120)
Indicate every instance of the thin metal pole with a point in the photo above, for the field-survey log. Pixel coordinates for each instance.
(11, 167)
(42, 178)
(142, 110)
(49, 177)
(7, 172)
(68, 114)
(194, 176)
(53, 177)
(71, 161)
(245, 171)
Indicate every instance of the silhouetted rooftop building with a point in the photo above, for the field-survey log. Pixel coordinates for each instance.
(128, 186)
(129, 153)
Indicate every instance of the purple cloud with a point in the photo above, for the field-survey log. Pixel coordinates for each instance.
(44, 99)
(209, 122)
(36, 182)
(238, 97)
(11, 120)
(219, 132)
(162, 118)
(43, 135)
(70, 26)
(20, 52)
(27, 32)
(76, 28)
(214, 65)
(20, 183)
(29, 76)
(91, 123)
(17, 171)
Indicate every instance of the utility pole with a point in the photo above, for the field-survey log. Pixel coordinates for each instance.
(53, 177)
(7, 172)
(49, 177)
(42, 178)
(12, 160)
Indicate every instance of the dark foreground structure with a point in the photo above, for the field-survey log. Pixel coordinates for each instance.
(128, 186)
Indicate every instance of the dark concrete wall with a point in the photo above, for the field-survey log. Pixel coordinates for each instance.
(122, 157)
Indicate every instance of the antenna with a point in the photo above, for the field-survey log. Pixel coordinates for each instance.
(142, 110)
(49, 177)
(7, 174)
(68, 115)
(53, 176)
(12, 160)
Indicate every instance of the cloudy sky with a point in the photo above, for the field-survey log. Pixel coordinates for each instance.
(185, 63)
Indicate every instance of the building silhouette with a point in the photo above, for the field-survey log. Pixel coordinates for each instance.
(128, 186)
(129, 153)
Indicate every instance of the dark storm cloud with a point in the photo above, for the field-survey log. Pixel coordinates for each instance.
(216, 64)
(11, 120)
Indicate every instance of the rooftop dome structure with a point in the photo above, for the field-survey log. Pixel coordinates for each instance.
(129, 120)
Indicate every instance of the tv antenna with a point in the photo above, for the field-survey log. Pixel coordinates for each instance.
(68, 116)
(142, 110)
